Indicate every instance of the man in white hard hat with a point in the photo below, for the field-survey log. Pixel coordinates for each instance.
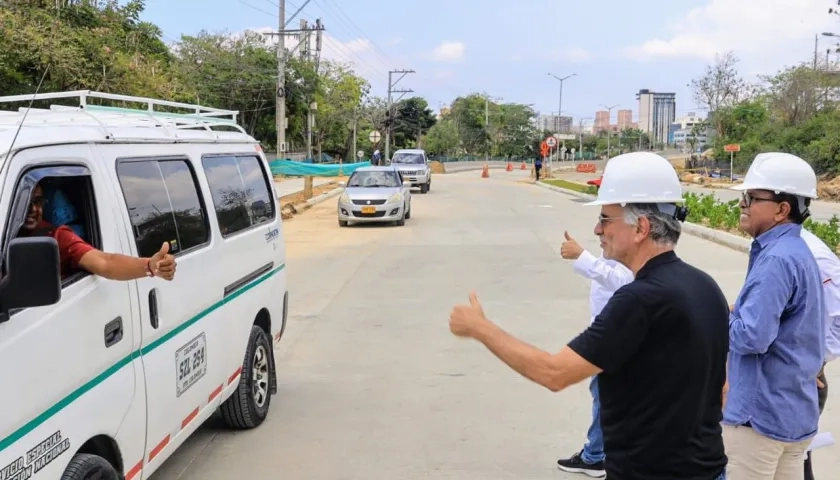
(829, 266)
(776, 329)
(658, 346)
(606, 277)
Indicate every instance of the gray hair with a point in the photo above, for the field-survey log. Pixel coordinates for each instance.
(665, 229)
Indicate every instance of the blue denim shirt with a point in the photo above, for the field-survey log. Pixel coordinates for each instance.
(776, 345)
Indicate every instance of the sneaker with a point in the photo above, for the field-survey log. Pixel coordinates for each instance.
(575, 464)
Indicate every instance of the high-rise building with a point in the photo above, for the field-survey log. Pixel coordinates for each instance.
(625, 119)
(657, 112)
(602, 121)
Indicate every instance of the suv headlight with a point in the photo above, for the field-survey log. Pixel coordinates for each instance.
(395, 198)
(344, 198)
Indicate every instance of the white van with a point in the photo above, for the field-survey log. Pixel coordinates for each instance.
(110, 377)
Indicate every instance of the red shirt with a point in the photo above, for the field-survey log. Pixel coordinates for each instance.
(71, 247)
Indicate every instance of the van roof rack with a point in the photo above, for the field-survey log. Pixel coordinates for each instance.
(153, 112)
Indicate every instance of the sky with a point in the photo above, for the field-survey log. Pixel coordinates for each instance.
(506, 49)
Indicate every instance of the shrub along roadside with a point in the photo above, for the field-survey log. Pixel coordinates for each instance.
(577, 187)
(708, 210)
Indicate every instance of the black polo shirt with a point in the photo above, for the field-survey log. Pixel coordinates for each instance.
(661, 342)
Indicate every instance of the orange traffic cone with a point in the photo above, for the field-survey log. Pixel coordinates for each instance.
(485, 172)
(523, 166)
(509, 167)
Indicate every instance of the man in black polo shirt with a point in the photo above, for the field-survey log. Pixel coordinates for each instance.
(659, 346)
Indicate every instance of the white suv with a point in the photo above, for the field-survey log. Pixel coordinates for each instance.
(413, 165)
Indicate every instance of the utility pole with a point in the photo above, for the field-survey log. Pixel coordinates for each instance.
(580, 136)
(487, 126)
(388, 116)
(560, 104)
(609, 126)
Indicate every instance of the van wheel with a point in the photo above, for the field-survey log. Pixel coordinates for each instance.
(84, 466)
(248, 406)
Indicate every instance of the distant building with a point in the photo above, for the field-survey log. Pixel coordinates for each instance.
(553, 123)
(602, 121)
(625, 119)
(657, 111)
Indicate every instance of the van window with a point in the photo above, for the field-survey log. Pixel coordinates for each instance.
(241, 193)
(163, 204)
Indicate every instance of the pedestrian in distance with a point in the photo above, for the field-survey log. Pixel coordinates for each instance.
(606, 277)
(537, 167)
(777, 327)
(659, 345)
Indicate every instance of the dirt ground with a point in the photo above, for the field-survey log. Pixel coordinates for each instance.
(291, 205)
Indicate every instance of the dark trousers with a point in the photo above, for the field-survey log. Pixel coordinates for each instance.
(537, 171)
(822, 395)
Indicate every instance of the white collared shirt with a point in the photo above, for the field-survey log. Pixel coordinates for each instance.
(829, 266)
(607, 276)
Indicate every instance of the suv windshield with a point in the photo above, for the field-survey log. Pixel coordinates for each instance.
(410, 158)
(373, 179)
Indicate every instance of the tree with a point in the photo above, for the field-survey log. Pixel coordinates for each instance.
(412, 120)
(720, 86)
(442, 138)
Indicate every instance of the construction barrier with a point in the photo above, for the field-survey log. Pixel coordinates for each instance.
(509, 167)
(586, 168)
(523, 166)
(291, 168)
(485, 172)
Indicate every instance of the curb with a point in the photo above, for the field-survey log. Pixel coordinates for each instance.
(721, 238)
(323, 197)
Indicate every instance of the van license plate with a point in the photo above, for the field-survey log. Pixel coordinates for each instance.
(368, 209)
(190, 363)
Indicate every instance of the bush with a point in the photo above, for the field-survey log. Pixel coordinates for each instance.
(706, 209)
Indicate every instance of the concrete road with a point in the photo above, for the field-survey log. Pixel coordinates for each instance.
(371, 383)
(295, 184)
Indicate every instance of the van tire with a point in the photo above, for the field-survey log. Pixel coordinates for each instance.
(242, 410)
(84, 466)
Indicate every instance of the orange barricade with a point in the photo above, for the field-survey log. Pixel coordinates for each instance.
(485, 172)
(523, 166)
(586, 168)
(509, 167)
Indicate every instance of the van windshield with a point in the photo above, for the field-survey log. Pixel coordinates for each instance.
(409, 158)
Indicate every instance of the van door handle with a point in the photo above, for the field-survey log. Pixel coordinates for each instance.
(153, 308)
(113, 332)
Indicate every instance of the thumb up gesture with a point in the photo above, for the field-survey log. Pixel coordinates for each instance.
(162, 264)
(571, 249)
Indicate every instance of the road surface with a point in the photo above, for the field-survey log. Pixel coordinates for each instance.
(371, 383)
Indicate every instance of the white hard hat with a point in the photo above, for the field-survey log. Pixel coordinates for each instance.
(639, 177)
(780, 173)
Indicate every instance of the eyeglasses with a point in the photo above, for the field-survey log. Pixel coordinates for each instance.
(38, 201)
(604, 220)
(747, 198)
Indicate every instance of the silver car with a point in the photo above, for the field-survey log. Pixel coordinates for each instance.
(414, 167)
(375, 194)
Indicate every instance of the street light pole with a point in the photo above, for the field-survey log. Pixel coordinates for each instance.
(609, 125)
(560, 103)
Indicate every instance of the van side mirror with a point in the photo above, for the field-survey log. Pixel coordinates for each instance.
(32, 277)
(406, 183)
(342, 184)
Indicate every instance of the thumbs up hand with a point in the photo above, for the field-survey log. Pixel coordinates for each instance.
(571, 249)
(465, 320)
(162, 264)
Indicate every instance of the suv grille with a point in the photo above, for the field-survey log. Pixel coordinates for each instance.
(410, 172)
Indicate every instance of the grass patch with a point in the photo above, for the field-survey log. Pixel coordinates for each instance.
(577, 187)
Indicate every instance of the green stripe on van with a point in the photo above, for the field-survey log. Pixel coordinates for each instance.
(93, 383)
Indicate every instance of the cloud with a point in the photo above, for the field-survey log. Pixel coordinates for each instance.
(449, 52)
(760, 32)
(570, 55)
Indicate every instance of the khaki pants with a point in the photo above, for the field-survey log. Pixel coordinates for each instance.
(753, 456)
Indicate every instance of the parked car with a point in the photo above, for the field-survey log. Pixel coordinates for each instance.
(413, 164)
(375, 194)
